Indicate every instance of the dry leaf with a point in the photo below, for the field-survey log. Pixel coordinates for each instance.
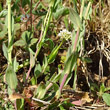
(77, 102)
(15, 96)
(86, 98)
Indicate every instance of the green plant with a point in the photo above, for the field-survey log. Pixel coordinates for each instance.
(101, 92)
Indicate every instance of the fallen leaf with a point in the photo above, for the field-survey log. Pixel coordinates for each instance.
(77, 102)
(86, 98)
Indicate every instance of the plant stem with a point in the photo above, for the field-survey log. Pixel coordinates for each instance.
(9, 32)
(82, 7)
(74, 46)
(63, 82)
(42, 37)
(87, 10)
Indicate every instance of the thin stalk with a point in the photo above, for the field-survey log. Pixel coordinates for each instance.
(9, 31)
(42, 37)
(63, 81)
(82, 7)
(75, 78)
(88, 7)
(74, 46)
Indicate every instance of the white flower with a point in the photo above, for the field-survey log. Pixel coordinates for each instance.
(65, 34)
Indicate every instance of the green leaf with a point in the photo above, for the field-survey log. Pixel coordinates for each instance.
(37, 70)
(56, 87)
(20, 104)
(53, 54)
(15, 65)
(45, 62)
(62, 108)
(20, 43)
(27, 36)
(32, 60)
(55, 78)
(11, 77)
(69, 66)
(60, 12)
(51, 43)
(70, 63)
(12, 22)
(3, 13)
(16, 27)
(75, 19)
(5, 51)
(41, 90)
(33, 41)
(33, 81)
(106, 98)
(4, 31)
(86, 59)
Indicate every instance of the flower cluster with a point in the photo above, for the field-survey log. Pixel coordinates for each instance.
(25, 17)
(65, 34)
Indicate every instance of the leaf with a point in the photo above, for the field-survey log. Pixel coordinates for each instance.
(11, 77)
(53, 54)
(66, 105)
(51, 43)
(16, 27)
(70, 63)
(20, 104)
(45, 62)
(33, 81)
(15, 65)
(3, 32)
(86, 59)
(32, 60)
(37, 70)
(56, 87)
(20, 43)
(41, 90)
(12, 22)
(33, 41)
(3, 13)
(86, 98)
(106, 98)
(69, 66)
(27, 36)
(60, 12)
(5, 51)
(75, 19)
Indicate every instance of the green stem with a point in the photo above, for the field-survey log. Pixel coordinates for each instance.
(42, 37)
(9, 31)
(88, 7)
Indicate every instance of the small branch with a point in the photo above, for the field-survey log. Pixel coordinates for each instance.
(41, 101)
